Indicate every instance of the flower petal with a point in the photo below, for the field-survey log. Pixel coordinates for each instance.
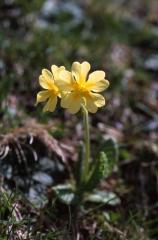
(96, 81)
(97, 86)
(72, 102)
(46, 80)
(42, 96)
(98, 99)
(51, 104)
(97, 75)
(80, 71)
(76, 70)
(56, 70)
(65, 81)
(93, 101)
(90, 105)
(85, 68)
(47, 74)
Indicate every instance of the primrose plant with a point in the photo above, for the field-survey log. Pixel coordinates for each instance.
(77, 91)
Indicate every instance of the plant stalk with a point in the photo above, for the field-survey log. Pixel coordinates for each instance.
(86, 143)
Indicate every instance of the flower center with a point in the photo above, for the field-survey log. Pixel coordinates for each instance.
(81, 89)
(55, 90)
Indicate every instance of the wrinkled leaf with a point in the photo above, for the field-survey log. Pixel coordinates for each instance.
(99, 171)
(110, 147)
(64, 193)
(103, 197)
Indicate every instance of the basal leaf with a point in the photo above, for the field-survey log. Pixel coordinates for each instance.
(99, 171)
(110, 147)
(64, 193)
(103, 197)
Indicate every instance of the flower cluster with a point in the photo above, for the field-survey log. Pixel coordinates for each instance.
(75, 88)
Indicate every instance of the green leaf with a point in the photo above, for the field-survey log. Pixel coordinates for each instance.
(105, 164)
(64, 193)
(103, 197)
(99, 171)
(110, 147)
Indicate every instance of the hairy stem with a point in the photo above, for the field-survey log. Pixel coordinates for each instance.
(86, 143)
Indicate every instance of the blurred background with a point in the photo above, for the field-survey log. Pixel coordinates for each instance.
(117, 36)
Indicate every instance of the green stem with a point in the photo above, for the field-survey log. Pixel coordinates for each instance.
(86, 143)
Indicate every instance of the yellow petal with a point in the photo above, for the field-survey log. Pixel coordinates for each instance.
(65, 81)
(98, 99)
(97, 86)
(97, 76)
(96, 81)
(93, 101)
(74, 109)
(56, 70)
(76, 71)
(80, 71)
(51, 104)
(46, 79)
(47, 74)
(90, 105)
(85, 67)
(67, 99)
(42, 96)
(72, 102)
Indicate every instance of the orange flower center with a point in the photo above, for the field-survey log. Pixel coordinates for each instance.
(80, 89)
(55, 90)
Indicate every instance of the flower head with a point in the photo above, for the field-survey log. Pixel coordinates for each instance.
(80, 88)
(47, 80)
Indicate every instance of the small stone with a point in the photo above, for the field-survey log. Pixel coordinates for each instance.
(152, 63)
(43, 178)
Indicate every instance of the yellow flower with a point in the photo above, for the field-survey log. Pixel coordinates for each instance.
(47, 80)
(79, 88)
